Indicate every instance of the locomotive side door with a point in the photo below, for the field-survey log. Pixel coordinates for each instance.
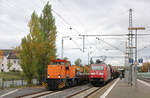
(67, 65)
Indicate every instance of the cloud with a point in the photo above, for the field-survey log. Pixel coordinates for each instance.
(84, 16)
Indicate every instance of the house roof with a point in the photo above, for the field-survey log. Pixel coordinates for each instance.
(12, 56)
(6, 51)
(10, 53)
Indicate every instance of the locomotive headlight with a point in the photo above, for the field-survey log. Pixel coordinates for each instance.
(59, 76)
(101, 73)
(48, 76)
(92, 73)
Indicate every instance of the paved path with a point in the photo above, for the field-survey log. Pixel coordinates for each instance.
(12, 93)
(123, 90)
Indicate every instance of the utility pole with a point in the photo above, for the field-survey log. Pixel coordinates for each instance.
(62, 48)
(83, 42)
(130, 48)
(88, 58)
(62, 45)
(134, 73)
(132, 63)
(126, 63)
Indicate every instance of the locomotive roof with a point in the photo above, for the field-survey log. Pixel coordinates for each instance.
(99, 64)
(59, 60)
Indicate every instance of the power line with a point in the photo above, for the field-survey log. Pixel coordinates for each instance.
(114, 35)
(147, 46)
(76, 44)
(66, 22)
(110, 45)
(71, 28)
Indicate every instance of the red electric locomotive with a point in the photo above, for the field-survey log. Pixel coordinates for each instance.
(99, 73)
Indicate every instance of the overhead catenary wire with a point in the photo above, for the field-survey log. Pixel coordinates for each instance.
(111, 45)
(77, 19)
(76, 44)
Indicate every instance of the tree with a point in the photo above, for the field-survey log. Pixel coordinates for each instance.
(31, 51)
(110, 65)
(87, 68)
(9, 64)
(26, 56)
(1, 53)
(78, 62)
(91, 61)
(145, 66)
(98, 61)
(41, 43)
(66, 58)
(1, 56)
(48, 30)
(38, 46)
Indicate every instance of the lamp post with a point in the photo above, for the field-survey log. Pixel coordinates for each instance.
(62, 43)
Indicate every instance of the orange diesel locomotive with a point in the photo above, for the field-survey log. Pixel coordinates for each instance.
(61, 74)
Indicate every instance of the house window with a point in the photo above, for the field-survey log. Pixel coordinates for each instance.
(14, 61)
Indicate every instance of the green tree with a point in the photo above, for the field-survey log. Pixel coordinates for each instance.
(110, 65)
(9, 64)
(48, 30)
(31, 57)
(41, 43)
(66, 58)
(78, 62)
(38, 46)
(26, 56)
(91, 61)
(145, 66)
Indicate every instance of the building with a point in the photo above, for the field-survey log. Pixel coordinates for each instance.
(9, 61)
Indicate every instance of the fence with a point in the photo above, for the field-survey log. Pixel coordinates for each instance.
(14, 83)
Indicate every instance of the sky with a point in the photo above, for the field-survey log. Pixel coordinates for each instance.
(84, 17)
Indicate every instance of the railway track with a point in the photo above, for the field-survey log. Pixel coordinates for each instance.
(92, 92)
(84, 93)
(36, 94)
(144, 79)
(43, 94)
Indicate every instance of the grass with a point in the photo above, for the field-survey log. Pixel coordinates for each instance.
(11, 75)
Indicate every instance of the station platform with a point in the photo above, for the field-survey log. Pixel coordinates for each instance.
(123, 90)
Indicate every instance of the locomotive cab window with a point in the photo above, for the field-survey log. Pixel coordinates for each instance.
(97, 67)
(57, 63)
(67, 66)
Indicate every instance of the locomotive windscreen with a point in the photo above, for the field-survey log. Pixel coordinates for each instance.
(97, 67)
(57, 63)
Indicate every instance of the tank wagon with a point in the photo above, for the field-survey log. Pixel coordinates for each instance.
(61, 74)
